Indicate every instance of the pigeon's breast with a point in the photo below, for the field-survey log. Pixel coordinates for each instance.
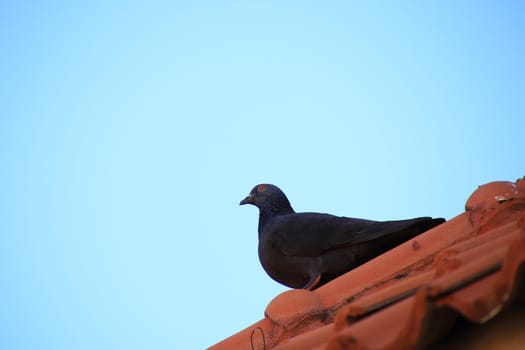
(292, 271)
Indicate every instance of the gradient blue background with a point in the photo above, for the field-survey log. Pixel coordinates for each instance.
(130, 131)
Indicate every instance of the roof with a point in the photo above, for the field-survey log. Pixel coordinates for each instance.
(471, 267)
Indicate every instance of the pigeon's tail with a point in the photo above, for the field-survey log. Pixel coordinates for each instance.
(408, 229)
(431, 223)
(428, 223)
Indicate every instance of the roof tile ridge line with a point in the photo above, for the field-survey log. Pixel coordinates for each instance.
(494, 267)
(471, 270)
(428, 290)
(504, 287)
(423, 308)
(478, 239)
(464, 282)
(426, 293)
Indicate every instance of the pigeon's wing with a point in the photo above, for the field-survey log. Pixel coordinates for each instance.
(312, 234)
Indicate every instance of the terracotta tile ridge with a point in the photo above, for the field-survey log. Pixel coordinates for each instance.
(467, 273)
(505, 229)
(496, 269)
(485, 296)
(479, 248)
(447, 259)
(406, 324)
(465, 269)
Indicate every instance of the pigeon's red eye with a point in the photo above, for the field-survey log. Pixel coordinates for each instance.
(261, 188)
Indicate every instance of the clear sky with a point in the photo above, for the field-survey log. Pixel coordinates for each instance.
(130, 131)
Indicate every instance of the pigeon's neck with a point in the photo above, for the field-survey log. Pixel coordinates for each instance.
(271, 210)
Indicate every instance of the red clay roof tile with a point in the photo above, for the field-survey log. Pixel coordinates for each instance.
(407, 298)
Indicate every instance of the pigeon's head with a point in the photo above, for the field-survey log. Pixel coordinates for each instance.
(267, 196)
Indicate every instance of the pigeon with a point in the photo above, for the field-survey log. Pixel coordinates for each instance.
(307, 250)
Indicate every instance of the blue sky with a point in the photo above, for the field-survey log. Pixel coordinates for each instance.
(130, 131)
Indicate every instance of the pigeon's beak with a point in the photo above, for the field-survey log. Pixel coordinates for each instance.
(248, 200)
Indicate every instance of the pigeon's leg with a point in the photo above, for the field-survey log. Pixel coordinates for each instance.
(314, 280)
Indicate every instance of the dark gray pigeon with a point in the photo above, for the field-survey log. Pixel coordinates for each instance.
(307, 250)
